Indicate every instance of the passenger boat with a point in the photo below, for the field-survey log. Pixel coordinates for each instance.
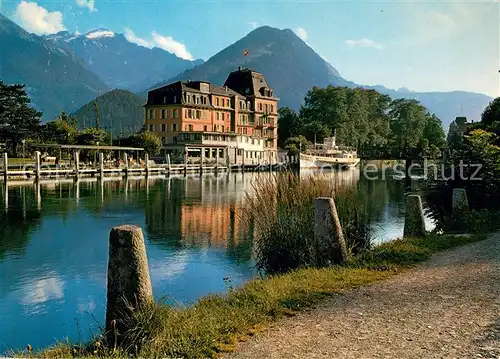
(329, 155)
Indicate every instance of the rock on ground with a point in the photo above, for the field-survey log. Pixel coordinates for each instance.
(447, 308)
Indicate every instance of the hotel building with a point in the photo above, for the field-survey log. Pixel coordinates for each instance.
(236, 122)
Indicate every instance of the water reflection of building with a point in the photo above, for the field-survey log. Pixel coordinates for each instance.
(198, 211)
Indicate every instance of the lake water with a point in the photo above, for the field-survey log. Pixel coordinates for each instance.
(54, 245)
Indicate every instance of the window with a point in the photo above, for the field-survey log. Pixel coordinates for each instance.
(164, 99)
(190, 128)
(188, 98)
(151, 128)
(174, 113)
(175, 99)
(189, 114)
(227, 116)
(205, 128)
(163, 127)
(245, 131)
(196, 100)
(163, 113)
(217, 101)
(272, 109)
(222, 128)
(217, 116)
(174, 127)
(260, 107)
(215, 128)
(164, 139)
(151, 114)
(227, 102)
(198, 114)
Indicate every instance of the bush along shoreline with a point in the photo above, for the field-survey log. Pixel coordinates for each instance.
(296, 278)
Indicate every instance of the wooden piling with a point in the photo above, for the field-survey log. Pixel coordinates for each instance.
(328, 233)
(38, 165)
(5, 167)
(414, 217)
(169, 168)
(125, 161)
(146, 159)
(129, 284)
(76, 156)
(101, 165)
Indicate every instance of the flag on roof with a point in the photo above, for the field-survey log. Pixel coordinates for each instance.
(245, 52)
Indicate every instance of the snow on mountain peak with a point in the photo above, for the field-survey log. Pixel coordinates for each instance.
(99, 33)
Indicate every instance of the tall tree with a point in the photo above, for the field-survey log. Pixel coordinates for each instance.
(18, 120)
(288, 125)
(492, 113)
(408, 122)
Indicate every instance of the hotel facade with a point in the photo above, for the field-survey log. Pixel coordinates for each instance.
(236, 122)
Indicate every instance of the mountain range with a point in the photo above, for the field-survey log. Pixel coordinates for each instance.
(292, 68)
(120, 113)
(55, 79)
(65, 71)
(120, 63)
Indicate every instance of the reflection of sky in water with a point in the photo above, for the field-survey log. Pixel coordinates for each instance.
(53, 265)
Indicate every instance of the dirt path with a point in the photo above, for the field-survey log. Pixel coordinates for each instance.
(447, 308)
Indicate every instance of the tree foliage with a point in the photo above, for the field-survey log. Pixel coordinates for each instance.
(492, 113)
(365, 119)
(62, 130)
(148, 140)
(18, 120)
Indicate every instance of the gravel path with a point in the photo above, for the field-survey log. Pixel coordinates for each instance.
(447, 308)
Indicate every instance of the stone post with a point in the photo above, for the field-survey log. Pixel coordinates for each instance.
(38, 165)
(129, 283)
(5, 167)
(460, 208)
(414, 217)
(76, 156)
(101, 165)
(328, 234)
(460, 203)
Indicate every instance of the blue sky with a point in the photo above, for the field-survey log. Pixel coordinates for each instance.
(424, 46)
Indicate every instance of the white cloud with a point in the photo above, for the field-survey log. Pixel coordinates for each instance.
(302, 33)
(90, 4)
(364, 43)
(37, 19)
(166, 43)
(253, 24)
(169, 44)
(42, 290)
(435, 24)
(130, 36)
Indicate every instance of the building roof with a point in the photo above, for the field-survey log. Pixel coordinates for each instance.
(249, 82)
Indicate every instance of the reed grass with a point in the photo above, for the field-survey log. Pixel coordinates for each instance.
(281, 209)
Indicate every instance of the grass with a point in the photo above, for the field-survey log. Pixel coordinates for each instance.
(218, 322)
